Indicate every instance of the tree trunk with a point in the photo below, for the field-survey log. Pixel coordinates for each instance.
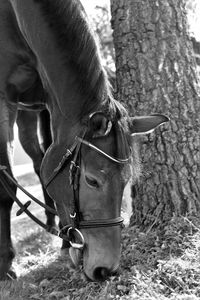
(196, 49)
(155, 72)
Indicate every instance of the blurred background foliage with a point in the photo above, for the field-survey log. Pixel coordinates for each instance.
(100, 16)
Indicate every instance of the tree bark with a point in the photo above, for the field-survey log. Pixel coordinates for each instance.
(196, 49)
(156, 73)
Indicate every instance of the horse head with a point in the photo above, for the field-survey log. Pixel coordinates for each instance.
(88, 188)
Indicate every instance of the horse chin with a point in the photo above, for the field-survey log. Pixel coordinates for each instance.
(100, 270)
(75, 255)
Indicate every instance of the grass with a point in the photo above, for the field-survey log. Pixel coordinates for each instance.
(161, 264)
(155, 264)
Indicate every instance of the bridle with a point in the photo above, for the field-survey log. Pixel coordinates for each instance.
(70, 232)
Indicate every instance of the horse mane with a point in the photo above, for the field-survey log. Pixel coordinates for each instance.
(74, 37)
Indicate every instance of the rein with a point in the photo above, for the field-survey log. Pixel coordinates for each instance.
(70, 232)
(24, 207)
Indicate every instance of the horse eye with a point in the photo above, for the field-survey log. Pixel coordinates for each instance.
(91, 181)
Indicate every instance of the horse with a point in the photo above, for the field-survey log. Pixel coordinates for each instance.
(48, 47)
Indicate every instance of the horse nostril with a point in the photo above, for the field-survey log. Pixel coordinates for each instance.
(101, 274)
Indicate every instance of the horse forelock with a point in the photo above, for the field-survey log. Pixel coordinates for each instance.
(79, 48)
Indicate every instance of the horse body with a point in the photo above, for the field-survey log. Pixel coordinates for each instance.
(48, 45)
(17, 62)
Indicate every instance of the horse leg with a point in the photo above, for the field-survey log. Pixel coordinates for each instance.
(24, 85)
(27, 129)
(7, 252)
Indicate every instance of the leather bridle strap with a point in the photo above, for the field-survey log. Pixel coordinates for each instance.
(80, 140)
(24, 207)
(74, 174)
(3, 169)
(76, 218)
(101, 223)
(65, 157)
(93, 147)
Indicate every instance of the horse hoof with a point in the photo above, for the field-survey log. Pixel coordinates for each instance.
(6, 270)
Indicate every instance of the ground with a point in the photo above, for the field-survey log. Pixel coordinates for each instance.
(155, 264)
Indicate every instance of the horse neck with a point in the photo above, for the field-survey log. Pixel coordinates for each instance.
(57, 74)
(64, 129)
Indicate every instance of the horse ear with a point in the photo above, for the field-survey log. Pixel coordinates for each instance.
(146, 124)
(99, 125)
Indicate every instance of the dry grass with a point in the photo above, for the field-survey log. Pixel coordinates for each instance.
(155, 265)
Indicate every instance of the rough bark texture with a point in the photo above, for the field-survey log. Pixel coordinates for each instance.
(156, 73)
(196, 48)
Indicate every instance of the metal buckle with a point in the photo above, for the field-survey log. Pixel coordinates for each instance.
(73, 216)
(72, 165)
(76, 238)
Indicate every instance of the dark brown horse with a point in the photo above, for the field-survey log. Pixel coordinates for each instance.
(48, 45)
